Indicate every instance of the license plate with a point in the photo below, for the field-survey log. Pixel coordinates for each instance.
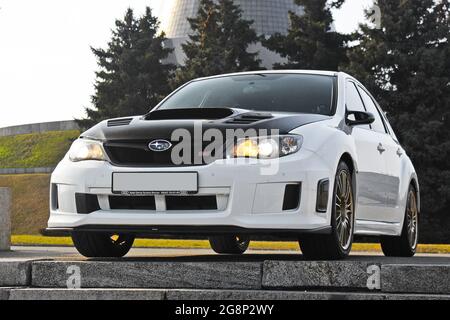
(141, 183)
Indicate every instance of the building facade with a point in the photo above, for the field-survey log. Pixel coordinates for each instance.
(269, 16)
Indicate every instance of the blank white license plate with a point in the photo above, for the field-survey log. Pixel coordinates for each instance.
(154, 182)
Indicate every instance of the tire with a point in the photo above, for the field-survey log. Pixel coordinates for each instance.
(338, 244)
(102, 245)
(406, 244)
(229, 244)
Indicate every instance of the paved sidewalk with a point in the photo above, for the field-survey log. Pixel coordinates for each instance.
(69, 253)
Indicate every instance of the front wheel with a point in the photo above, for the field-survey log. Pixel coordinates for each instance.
(406, 244)
(338, 244)
(229, 244)
(102, 245)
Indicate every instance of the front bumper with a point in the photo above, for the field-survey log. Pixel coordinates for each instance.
(249, 198)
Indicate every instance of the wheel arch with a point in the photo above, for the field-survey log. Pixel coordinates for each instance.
(415, 183)
(348, 159)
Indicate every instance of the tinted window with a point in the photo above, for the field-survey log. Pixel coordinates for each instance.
(262, 92)
(353, 102)
(377, 125)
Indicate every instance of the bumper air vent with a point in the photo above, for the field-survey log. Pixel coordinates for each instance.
(291, 197)
(119, 122)
(249, 118)
(322, 195)
(86, 203)
(54, 196)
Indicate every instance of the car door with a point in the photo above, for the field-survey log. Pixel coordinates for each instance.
(391, 154)
(371, 196)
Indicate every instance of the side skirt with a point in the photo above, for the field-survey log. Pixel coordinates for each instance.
(377, 228)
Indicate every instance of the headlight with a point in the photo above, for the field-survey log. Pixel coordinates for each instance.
(266, 147)
(86, 150)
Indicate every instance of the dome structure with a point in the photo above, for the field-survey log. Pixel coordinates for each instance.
(269, 16)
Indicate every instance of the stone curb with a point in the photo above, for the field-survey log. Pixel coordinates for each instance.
(186, 294)
(224, 275)
(415, 278)
(15, 273)
(315, 274)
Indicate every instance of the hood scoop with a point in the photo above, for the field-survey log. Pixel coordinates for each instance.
(250, 117)
(119, 122)
(190, 114)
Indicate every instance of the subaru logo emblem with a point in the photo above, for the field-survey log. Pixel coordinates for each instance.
(159, 145)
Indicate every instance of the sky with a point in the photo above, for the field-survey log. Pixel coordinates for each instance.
(47, 69)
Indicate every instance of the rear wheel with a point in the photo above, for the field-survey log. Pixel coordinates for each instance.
(406, 244)
(338, 244)
(102, 245)
(229, 244)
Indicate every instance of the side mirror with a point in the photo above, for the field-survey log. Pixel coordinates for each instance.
(357, 118)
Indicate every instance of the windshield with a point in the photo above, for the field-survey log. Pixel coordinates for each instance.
(303, 93)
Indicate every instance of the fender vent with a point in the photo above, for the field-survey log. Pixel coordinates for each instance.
(119, 122)
(249, 118)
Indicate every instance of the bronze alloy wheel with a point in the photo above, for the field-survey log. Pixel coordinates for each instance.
(412, 216)
(344, 207)
(405, 245)
(337, 244)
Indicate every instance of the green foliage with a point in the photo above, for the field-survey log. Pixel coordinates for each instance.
(406, 65)
(132, 77)
(219, 42)
(30, 207)
(36, 149)
(310, 42)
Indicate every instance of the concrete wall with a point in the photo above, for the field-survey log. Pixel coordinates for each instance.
(5, 219)
(25, 170)
(39, 128)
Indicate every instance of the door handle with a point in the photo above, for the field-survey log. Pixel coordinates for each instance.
(380, 148)
(399, 152)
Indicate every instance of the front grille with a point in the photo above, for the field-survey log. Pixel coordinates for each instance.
(132, 203)
(138, 154)
(191, 203)
(172, 203)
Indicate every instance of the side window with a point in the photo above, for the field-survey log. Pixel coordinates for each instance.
(353, 100)
(378, 124)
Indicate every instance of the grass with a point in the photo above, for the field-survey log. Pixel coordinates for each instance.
(203, 244)
(35, 149)
(30, 207)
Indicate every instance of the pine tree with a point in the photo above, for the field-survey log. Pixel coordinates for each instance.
(219, 42)
(311, 42)
(132, 77)
(406, 65)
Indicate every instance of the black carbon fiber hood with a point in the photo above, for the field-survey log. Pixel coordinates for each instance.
(161, 124)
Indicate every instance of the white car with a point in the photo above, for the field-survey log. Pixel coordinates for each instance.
(290, 154)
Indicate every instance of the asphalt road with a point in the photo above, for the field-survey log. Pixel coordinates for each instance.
(151, 255)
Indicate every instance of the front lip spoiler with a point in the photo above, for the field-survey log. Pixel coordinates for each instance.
(188, 231)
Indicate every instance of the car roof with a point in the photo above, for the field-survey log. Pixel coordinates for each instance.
(313, 72)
